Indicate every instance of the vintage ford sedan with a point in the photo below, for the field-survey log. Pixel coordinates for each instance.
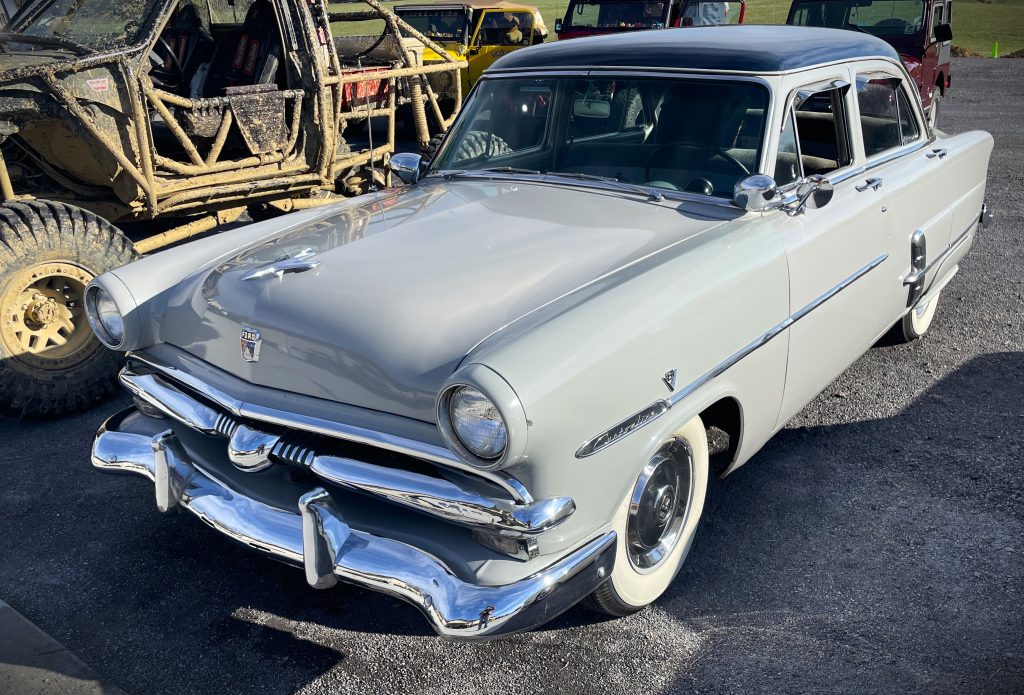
(488, 393)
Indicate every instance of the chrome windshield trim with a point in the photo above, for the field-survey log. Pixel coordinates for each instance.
(382, 440)
(655, 195)
(653, 411)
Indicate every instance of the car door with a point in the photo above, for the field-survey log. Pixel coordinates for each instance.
(932, 189)
(837, 254)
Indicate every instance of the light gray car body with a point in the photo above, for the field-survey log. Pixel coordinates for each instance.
(606, 320)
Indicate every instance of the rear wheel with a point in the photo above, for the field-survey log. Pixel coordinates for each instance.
(933, 110)
(656, 523)
(914, 324)
(51, 364)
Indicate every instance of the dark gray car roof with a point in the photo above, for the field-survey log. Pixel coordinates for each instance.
(747, 48)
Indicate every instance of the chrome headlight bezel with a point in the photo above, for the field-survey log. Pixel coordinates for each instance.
(505, 402)
(124, 303)
(97, 303)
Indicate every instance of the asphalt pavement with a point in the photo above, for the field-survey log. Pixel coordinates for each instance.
(873, 546)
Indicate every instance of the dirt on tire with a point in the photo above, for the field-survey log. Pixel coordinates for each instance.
(36, 236)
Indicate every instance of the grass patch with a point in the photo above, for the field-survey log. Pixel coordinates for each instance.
(976, 25)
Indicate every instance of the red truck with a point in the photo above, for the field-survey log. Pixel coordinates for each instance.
(593, 17)
(919, 30)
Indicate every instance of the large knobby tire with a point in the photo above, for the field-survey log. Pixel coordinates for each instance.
(479, 143)
(51, 364)
(914, 324)
(651, 549)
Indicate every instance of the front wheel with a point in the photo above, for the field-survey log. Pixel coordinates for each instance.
(51, 364)
(656, 523)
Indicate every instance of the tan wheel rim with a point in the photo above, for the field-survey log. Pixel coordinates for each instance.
(43, 322)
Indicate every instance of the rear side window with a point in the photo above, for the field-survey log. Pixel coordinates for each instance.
(886, 119)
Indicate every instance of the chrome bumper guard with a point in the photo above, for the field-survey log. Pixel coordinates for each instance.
(250, 450)
(317, 538)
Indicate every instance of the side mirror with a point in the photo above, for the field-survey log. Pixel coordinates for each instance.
(814, 192)
(759, 193)
(406, 166)
(558, 26)
(943, 33)
(756, 193)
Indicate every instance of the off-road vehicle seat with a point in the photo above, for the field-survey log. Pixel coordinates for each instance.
(188, 36)
(248, 55)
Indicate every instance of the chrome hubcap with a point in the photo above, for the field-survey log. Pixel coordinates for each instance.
(659, 505)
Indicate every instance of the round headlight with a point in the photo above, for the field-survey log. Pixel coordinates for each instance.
(477, 423)
(104, 317)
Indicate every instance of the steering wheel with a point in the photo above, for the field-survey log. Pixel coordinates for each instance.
(167, 77)
(692, 145)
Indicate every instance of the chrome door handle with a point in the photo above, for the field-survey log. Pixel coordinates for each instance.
(873, 184)
(939, 152)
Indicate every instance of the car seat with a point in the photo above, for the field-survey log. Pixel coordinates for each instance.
(248, 55)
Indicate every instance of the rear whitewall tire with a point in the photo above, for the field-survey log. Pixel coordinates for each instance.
(629, 588)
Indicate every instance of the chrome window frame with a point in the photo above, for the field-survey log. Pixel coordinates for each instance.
(811, 89)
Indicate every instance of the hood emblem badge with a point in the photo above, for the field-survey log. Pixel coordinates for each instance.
(299, 263)
(251, 342)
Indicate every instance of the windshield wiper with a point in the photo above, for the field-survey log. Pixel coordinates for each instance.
(650, 191)
(456, 173)
(54, 40)
(859, 28)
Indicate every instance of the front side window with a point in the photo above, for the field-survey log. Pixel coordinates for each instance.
(886, 118)
(685, 134)
(936, 18)
(499, 28)
(815, 138)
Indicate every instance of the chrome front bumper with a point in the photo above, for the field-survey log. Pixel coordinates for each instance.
(316, 537)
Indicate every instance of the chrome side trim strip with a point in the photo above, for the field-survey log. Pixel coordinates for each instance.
(660, 407)
(381, 440)
(315, 536)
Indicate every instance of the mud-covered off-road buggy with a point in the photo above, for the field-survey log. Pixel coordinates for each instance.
(117, 111)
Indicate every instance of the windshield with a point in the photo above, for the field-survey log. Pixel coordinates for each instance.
(90, 24)
(615, 14)
(677, 134)
(884, 19)
(441, 25)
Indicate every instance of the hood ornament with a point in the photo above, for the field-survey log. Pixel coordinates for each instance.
(299, 263)
(251, 342)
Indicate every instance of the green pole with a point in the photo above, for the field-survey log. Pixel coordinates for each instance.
(995, 49)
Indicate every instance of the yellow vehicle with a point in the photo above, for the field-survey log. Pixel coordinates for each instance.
(477, 31)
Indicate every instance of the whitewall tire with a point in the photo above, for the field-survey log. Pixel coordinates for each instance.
(915, 323)
(656, 523)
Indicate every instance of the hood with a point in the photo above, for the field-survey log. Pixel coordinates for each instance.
(391, 295)
(24, 63)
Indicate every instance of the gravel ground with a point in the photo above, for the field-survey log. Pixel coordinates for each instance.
(875, 545)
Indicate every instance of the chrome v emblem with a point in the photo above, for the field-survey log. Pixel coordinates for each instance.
(299, 263)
